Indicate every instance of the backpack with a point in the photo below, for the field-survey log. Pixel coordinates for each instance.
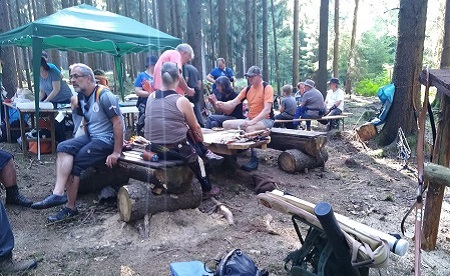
(237, 263)
(272, 115)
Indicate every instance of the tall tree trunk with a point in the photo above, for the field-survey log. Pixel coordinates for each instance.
(254, 35)
(277, 68)
(441, 155)
(9, 72)
(265, 53)
(249, 6)
(162, 15)
(222, 14)
(194, 32)
(212, 33)
(408, 65)
(322, 73)
(336, 40)
(296, 49)
(155, 14)
(179, 32)
(230, 35)
(351, 58)
(24, 51)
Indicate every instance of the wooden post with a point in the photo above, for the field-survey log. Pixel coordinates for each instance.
(437, 174)
(435, 193)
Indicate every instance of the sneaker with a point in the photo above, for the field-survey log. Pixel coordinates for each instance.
(213, 159)
(10, 266)
(251, 165)
(50, 201)
(63, 214)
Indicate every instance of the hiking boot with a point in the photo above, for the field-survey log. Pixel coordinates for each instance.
(251, 165)
(63, 214)
(10, 266)
(50, 201)
(14, 197)
(213, 159)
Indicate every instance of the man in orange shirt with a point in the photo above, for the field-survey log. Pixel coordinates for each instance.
(181, 56)
(259, 96)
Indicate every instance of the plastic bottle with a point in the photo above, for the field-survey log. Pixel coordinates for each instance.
(150, 156)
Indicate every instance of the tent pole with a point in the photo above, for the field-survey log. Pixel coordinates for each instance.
(118, 63)
(36, 50)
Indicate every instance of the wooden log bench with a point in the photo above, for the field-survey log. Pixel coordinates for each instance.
(165, 186)
(340, 117)
(302, 150)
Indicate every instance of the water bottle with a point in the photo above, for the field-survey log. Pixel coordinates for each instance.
(150, 156)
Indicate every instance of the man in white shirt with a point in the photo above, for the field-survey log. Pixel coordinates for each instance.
(334, 101)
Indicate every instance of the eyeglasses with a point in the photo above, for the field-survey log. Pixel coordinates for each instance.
(75, 76)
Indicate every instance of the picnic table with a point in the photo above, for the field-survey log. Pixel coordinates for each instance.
(229, 142)
(44, 113)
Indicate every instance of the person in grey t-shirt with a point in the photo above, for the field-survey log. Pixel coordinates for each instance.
(312, 105)
(288, 106)
(52, 88)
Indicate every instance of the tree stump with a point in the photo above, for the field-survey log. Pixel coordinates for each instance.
(366, 132)
(293, 160)
(137, 200)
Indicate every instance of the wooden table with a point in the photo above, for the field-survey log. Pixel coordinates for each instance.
(44, 113)
(216, 141)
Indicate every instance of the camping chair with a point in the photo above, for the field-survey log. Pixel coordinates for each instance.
(366, 248)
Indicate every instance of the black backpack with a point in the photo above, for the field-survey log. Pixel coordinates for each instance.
(237, 263)
(272, 115)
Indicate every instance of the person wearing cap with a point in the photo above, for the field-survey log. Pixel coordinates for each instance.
(220, 70)
(144, 78)
(288, 106)
(312, 105)
(100, 77)
(334, 101)
(182, 54)
(260, 100)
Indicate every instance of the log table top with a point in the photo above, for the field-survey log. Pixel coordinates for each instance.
(228, 142)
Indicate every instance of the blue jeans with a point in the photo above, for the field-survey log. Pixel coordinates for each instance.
(6, 235)
(301, 113)
(217, 120)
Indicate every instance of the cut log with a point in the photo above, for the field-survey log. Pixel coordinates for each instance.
(366, 132)
(137, 200)
(437, 174)
(310, 142)
(94, 179)
(294, 160)
(175, 180)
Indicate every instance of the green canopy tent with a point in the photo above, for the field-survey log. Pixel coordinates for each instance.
(87, 29)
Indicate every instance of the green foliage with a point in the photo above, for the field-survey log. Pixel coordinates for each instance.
(370, 86)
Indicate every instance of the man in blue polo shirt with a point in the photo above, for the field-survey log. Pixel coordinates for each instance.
(220, 70)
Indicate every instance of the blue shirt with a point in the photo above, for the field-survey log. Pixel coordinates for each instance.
(217, 72)
(138, 83)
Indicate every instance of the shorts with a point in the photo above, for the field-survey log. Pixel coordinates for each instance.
(86, 152)
(268, 123)
(4, 158)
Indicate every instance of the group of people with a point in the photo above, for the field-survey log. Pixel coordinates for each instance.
(309, 103)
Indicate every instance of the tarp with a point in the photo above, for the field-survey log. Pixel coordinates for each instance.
(87, 29)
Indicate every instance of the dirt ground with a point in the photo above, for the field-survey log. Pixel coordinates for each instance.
(365, 183)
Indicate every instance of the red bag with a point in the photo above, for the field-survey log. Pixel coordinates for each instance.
(46, 147)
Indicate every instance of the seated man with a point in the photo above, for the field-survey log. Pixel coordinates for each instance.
(103, 140)
(334, 102)
(7, 265)
(226, 93)
(288, 106)
(260, 100)
(312, 105)
(8, 177)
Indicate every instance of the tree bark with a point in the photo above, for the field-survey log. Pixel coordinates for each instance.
(437, 174)
(9, 71)
(408, 65)
(277, 68)
(351, 57)
(294, 160)
(222, 14)
(162, 16)
(94, 179)
(194, 32)
(296, 49)
(441, 154)
(137, 200)
(322, 73)
(249, 34)
(336, 40)
(265, 33)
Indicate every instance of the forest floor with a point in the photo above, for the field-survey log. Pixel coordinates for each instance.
(364, 182)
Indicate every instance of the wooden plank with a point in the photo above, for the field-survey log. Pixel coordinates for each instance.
(134, 157)
(302, 133)
(439, 78)
(336, 117)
